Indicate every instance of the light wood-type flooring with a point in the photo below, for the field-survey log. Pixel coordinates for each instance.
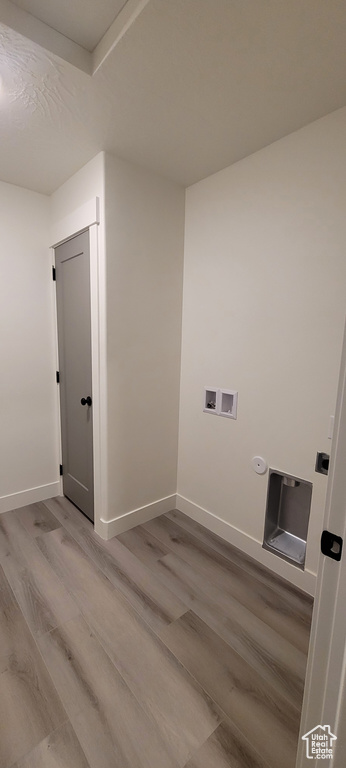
(162, 648)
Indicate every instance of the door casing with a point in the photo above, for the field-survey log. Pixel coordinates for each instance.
(72, 276)
(88, 216)
(325, 686)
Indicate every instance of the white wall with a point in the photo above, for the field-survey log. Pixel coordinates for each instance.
(144, 246)
(140, 295)
(83, 186)
(28, 434)
(263, 313)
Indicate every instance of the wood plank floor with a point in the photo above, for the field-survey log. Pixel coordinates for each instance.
(162, 648)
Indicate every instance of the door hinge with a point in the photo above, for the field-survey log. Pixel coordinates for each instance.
(60, 469)
(53, 273)
(331, 545)
(57, 377)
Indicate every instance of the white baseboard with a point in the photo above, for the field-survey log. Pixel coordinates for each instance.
(109, 528)
(305, 580)
(30, 496)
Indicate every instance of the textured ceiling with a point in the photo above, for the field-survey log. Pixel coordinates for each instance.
(193, 86)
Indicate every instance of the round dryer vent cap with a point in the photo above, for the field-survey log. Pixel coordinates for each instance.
(259, 465)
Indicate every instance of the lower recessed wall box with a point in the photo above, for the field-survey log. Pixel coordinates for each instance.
(287, 517)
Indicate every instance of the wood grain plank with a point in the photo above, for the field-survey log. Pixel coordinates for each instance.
(257, 597)
(157, 604)
(88, 585)
(42, 597)
(248, 701)
(284, 589)
(277, 660)
(184, 714)
(144, 546)
(112, 727)
(151, 599)
(67, 514)
(30, 708)
(37, 519)
(226, 748)
(61, 749)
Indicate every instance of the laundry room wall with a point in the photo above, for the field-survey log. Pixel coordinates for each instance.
(141, 236)
(28, 434)
(67, 200)
(263, 314)
(144, 247)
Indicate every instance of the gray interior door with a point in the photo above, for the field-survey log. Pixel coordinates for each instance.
(72, 265)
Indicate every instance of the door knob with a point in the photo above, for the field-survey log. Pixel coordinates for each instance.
(86, 400)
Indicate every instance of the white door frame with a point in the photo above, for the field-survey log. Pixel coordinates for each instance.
(88, 217)
(325, 687)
